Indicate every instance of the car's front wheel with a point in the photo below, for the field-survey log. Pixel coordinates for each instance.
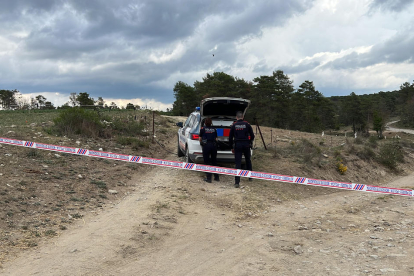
(187, 156)
(179, 152)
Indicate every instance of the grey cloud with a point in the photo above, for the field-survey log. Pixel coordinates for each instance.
(253, 18)
(152, 24)
(301, 67)
(392, 5)
(124, 33)
(396, 50)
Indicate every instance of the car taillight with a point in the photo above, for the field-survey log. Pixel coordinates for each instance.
(194, 136)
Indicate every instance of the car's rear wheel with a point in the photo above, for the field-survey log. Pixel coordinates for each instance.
(187, 156)
(179, 152)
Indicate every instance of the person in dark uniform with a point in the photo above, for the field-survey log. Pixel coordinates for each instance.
(241, 138)
(208, 140)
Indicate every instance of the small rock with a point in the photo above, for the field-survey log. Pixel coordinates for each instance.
(326, 251)
(8, 154)
(57, 155)
(112, 192)
(325, 155)
(78, 142)
(270, 234)
(80, 176)
(240, 226)
(101, 149)
(298, 249)
(374, 237)
(388, 270)
(73, 250)
(375, 257)
(302, 227)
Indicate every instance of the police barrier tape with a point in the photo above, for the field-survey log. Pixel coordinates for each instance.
(212, 169)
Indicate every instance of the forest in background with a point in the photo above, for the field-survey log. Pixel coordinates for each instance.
(275, 102)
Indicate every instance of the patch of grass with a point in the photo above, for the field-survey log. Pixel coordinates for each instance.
(99, 184)
(75, 199)
(358, 141)
(134, 142)
(50, 233)
(31, 244)
(77, 216)
(160, 205)
(33, 153)
(127, 127)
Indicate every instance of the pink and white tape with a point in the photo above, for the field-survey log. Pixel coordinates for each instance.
(212, 169)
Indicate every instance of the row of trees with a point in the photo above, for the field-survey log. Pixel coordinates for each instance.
(276, 103)
(274, 100)
(13, 99)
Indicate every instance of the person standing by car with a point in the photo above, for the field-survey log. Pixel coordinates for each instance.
(208, 140)
(241, 138)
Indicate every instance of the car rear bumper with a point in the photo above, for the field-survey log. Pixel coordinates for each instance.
(221, 158)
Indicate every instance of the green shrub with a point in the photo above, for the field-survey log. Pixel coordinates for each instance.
(373, 141)
(390, 154)
(80, 122)
(99, 184)
(308, 150)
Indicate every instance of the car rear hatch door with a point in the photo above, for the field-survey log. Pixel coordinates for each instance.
(223, 107)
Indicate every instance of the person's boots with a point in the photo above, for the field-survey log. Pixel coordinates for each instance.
(207, 180)
(216, 178)
(236, 185)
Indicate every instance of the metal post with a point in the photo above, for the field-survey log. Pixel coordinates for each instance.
(257, 125)
(271, 137)
(153, 126)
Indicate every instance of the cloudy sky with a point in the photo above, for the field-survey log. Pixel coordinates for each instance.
(135, 51)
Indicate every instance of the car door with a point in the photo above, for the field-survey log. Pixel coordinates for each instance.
(184, 132)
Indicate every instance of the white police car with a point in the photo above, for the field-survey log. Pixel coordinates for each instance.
(222, 111)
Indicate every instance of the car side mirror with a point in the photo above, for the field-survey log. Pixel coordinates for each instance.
(179, 124)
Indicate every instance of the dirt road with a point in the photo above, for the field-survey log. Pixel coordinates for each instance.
(393, 129)
(174, 224)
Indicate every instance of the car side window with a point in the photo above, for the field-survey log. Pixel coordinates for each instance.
(187, 121)
(191, 123)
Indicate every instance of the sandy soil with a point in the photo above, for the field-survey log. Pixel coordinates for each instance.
(174, 224)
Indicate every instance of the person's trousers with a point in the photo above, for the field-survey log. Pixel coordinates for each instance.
(241, 149)
(210, 157)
